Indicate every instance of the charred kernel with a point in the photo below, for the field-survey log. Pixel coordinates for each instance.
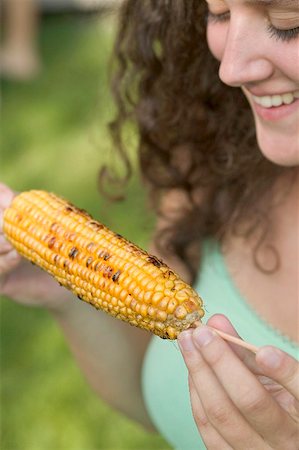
(116, 275)
(106, 256)
(52, 242)
(56, 258)
(154, 260)
(89, 261)
(96, 225)
(73, 252)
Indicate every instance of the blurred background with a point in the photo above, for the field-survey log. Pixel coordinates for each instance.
(55, 106)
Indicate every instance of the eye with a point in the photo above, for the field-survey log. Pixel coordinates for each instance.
(223, 17)
(283, 35)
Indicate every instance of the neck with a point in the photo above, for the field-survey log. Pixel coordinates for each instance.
(266, 270)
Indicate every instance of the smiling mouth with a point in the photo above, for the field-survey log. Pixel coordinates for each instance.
(272, 101)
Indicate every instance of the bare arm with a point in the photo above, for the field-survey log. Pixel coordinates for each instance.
(109, 352)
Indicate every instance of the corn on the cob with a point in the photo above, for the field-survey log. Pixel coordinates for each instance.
(100, 266)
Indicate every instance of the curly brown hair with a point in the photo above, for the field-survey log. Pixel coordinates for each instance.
(196, 135)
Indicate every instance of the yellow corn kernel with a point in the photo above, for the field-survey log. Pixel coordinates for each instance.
(99, 266)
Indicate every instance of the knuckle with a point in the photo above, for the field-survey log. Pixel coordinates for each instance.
(201, 419)
(219, 415)
(291, 373)
(194, 362)
(255, 404)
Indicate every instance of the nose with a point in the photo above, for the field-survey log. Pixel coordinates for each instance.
(245, 59)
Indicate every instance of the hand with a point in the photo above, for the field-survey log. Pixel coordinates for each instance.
(240, 400)
(19, 279)
(9, 258)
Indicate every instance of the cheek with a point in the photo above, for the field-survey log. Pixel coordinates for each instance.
(287, 60)
(216, 36)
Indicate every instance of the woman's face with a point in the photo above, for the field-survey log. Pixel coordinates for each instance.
(257, 42)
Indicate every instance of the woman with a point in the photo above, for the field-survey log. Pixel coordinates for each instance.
(225, 203)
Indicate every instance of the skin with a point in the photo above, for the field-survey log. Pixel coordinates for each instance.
(252, 399)
(254, 60)
(83, 329)
(254, 405)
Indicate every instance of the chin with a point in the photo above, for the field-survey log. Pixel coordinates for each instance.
(279, 148)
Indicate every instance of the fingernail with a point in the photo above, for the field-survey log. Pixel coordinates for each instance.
(185, 341)
(270, 357)
(203, 336)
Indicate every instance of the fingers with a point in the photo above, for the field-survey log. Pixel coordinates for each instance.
(5, 246)
(212, 439)
(222, 414)
(281, 367)
(6, 196)
(9, 258)
(222, 379)
(222, 323)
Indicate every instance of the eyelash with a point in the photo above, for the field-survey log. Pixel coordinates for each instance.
(283, 35)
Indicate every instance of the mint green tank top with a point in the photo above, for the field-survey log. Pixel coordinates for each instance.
(164, 374)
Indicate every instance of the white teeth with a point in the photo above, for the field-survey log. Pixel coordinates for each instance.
(268, 101)
(288, 98)
(277, 100)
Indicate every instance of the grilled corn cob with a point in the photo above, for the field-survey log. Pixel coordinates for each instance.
(99, 266)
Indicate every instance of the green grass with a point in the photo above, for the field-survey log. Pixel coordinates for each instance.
(54, 137)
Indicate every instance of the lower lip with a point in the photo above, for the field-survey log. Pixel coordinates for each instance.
(276, 112)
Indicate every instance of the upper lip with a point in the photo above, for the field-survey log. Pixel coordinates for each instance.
(259, 93)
